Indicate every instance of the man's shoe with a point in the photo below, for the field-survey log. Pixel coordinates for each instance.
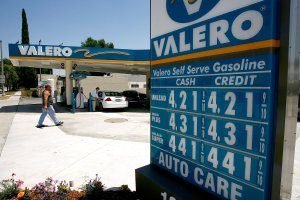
(59, 123)
(40, 126)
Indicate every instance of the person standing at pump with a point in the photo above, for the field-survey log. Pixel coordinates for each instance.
(47, 100)
(95, 98)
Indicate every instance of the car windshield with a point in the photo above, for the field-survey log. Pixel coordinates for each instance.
(114, 94)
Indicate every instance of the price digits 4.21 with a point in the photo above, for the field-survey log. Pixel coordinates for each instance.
(231, 104)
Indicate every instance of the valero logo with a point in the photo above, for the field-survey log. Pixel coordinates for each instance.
(184, 11)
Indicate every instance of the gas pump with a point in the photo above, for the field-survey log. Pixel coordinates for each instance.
(77, 90)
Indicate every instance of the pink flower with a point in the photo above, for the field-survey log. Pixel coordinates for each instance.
(19, 183)
(52, 188)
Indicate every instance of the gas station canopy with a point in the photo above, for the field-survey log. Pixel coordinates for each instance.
(82, 58)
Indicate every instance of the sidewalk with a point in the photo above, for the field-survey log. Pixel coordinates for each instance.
(296, 176)
(8, 110)
(34, 154)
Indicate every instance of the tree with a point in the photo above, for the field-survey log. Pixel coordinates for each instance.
(90, 42)
(25, 32)
(27, 75)
(11, 76)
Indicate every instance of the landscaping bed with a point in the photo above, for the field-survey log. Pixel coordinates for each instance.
(10, 189)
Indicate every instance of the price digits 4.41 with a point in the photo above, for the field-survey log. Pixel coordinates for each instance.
(219, 159)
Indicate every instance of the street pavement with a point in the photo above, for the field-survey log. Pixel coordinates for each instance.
(111, 144)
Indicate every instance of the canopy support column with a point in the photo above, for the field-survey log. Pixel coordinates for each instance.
(69, 83)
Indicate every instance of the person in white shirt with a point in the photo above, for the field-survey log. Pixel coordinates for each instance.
(95, 98)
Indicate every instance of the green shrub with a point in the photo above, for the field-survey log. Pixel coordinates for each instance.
(62, 190)
(94, 189)
(9, 188)
(26, 93)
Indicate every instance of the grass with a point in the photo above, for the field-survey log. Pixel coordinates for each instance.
(10, 93)
(7, 95)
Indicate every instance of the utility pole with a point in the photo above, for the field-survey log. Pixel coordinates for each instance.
(40, 41)
(3, 92)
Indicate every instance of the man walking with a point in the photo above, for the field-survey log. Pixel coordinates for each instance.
(48, 108)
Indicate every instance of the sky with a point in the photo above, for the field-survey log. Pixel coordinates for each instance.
(126, 23)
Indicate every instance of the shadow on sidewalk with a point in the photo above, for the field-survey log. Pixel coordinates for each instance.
(30, 108)
(31, 105)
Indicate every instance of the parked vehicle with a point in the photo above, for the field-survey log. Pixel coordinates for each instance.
(134, 96)
(111, 99)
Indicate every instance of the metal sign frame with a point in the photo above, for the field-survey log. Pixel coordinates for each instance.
(287, 107)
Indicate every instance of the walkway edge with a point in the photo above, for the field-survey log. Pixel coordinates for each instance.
(8, 110)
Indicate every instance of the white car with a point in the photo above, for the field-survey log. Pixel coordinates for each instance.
(111, 99)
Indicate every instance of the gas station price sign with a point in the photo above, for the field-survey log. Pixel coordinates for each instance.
(212, 109)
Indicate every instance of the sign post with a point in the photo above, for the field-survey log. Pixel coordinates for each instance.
(215, 121)
(2, 79)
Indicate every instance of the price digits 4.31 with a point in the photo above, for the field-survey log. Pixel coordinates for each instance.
(224, 132)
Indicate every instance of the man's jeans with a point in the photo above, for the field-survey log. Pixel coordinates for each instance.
(51, 113)
(94, 103)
